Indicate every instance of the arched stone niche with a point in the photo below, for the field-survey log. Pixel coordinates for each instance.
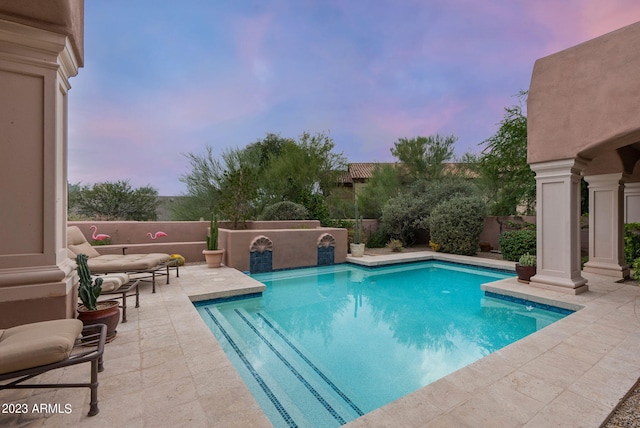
(261, 255)
(326, 249)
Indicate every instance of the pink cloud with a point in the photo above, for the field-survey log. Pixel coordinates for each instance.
(575, 21)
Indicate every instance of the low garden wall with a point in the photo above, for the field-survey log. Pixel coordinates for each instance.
(295, 243)
(187, 238)
(495, 225)
(292, 247)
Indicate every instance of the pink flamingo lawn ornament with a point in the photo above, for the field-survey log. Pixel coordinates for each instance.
(157, 235)
(99, 236)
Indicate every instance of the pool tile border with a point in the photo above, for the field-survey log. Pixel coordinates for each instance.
(606, 328)
(530, 303)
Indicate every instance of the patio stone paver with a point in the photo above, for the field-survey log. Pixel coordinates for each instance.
(166, 369)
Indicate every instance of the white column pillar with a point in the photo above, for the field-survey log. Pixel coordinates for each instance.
(632, 203)
(606, 226)
(36, 277)
(558, 226)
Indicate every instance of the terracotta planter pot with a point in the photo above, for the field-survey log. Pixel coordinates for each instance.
(525, 273)
(108, 313)
(213, 257)
(357, 250)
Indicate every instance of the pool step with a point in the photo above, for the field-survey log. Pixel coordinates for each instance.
(272, 398)
(308, 362)
(309, 394)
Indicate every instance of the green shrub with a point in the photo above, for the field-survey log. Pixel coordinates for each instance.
(285, 210)
(395, 245)
(631, 242)
(636, 269)
(515, 243)
(405, 216)
(456, 224)
(378, 239)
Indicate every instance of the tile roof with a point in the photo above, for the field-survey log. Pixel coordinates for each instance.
(363, 171)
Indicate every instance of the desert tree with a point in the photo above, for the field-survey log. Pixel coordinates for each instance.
(424, 157)
(113, 200)
(505, 175)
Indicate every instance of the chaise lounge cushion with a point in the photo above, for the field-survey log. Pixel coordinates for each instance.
(126, 263)
(112, 281)
(32, 345)
(107, 263)
(77, 243)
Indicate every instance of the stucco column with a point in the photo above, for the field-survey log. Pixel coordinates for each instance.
(558, 226)
(36, 277)
(632, 203)
(606, 225)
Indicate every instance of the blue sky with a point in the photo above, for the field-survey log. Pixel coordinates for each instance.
(164, 78)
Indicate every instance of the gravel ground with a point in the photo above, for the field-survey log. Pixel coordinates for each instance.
(627, 414)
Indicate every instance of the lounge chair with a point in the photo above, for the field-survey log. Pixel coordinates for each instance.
(120, 284)
(115, 263)
(29, 350)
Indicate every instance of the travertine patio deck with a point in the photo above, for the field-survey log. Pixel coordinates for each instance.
(165, 369)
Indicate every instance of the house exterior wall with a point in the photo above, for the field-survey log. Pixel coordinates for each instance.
(40, 50)
(585, 98)
(583, 122)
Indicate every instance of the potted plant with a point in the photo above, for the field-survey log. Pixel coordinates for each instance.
(526, 267)
(485, 247)
(91, 311)
(212, 254)
(357, 247)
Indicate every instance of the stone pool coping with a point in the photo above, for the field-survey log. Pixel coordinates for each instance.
(572, 373)
(167, 369)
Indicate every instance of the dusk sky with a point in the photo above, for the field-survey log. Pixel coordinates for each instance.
(164, 78)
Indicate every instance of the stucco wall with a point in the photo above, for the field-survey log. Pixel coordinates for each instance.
(291, 247)
(58, 16)
(186, 238)
(495, 225)
(295, 241)
(585, 97)
(41, 49)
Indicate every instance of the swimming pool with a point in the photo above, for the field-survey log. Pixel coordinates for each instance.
(323, 346)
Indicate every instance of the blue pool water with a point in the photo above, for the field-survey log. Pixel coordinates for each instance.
(323, 346)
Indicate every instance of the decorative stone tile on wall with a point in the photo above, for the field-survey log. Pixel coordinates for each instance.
(260, 262)
(326, 249)
(326, 256)
(261, 255)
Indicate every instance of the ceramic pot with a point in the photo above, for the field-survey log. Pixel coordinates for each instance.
(108, 313)
(213, 257)
(357, 250)
(525, 273)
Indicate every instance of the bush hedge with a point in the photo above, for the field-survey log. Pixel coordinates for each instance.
(456, 224)
(631, 242)
(514, 243)
(285, 210)
(407, 215)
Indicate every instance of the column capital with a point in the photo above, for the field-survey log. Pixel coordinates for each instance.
(559, 167)
(606, 179)
(37, 47)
